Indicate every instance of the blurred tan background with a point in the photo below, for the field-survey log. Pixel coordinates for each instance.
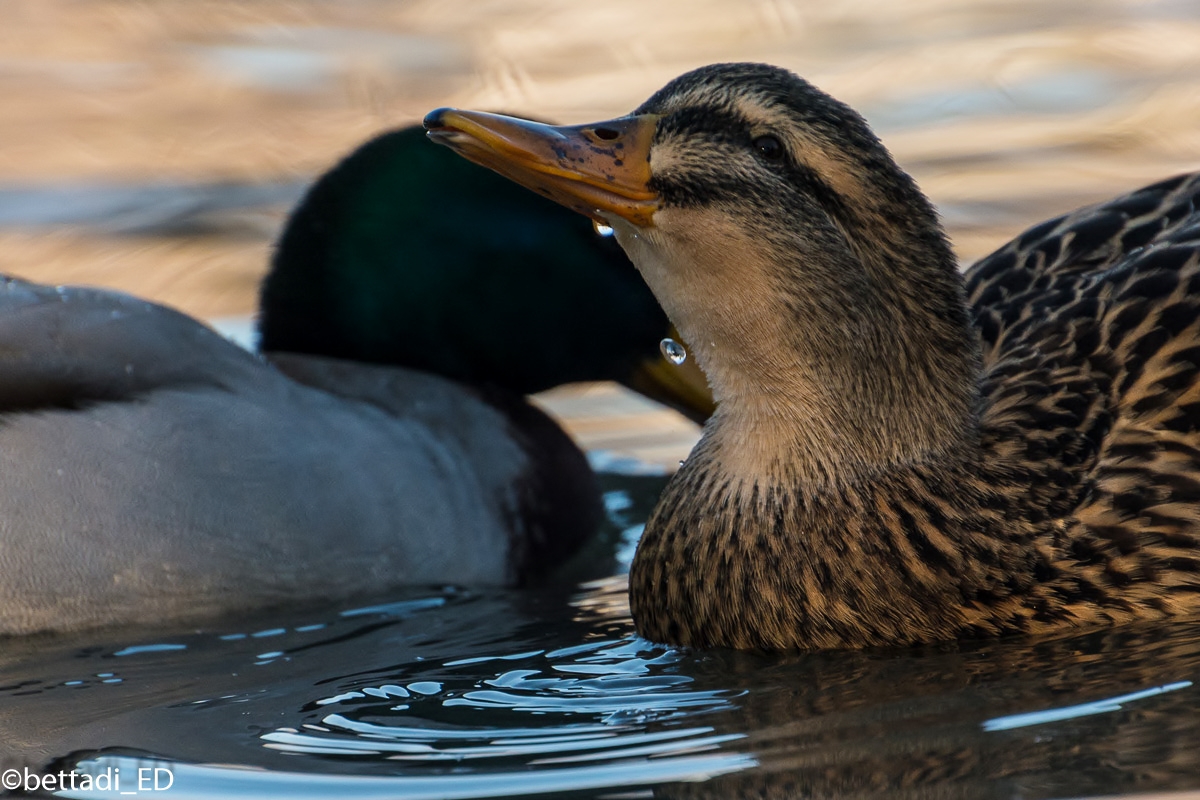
(155, 146)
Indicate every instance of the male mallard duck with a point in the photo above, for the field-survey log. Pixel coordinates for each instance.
(900, 453)
(149, 469)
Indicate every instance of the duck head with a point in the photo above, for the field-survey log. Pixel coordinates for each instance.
(806, 270)
(405, 255)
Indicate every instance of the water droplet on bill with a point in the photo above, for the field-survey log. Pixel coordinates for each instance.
(602, 229)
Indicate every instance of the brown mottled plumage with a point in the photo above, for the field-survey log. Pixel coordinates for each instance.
(899, 456)
(1076, 501)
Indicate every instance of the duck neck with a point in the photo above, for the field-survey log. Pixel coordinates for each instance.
(839, 422)
(867, 361)
(900, 388)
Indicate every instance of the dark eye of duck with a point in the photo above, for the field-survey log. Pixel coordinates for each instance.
(768, 147)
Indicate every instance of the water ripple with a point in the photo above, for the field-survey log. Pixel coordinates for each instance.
(212, 781)
(617, 702)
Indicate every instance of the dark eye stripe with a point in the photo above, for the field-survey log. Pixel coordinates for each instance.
(812, 184)
(720, 124)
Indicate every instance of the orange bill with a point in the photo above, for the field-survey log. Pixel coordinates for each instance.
(592, 169)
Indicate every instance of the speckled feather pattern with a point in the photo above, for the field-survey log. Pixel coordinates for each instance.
(902, 453)
(1080, 506)
(1091, 332)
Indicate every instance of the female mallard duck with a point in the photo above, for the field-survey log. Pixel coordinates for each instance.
(898, 455)
(149, 469)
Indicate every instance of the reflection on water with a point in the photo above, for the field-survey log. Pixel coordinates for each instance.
(150, 209)
(202, 781)
(1071, 712)
(454, 693)
(1006, 113)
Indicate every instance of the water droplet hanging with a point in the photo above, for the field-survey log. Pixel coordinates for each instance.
(673, 351)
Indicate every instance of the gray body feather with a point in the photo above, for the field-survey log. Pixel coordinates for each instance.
(149, 469)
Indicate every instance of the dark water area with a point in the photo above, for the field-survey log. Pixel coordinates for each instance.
(457, 693)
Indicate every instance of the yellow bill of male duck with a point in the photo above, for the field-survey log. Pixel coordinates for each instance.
(901, 452)
(150, 470)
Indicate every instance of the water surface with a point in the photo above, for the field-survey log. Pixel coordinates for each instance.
(156, 147)
(445, 692)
